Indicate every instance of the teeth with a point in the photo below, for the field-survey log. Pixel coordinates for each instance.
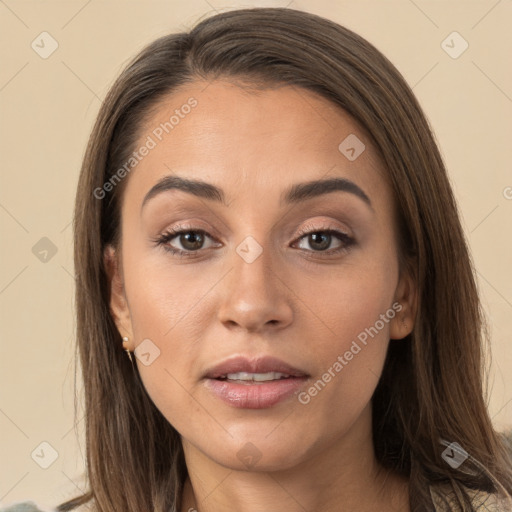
(259, 377)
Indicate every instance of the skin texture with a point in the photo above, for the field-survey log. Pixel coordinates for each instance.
(303, 306)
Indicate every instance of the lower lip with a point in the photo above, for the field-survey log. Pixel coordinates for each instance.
(256, 395)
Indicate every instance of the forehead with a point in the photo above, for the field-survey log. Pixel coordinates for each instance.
(251, 143)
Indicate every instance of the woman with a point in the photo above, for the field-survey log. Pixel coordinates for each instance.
(276, 308)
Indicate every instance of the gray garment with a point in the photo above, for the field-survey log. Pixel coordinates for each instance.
(26, 506)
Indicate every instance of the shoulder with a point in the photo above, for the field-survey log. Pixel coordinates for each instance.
(444, 497)
(25, 506)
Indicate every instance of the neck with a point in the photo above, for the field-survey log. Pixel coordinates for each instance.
(344, 476)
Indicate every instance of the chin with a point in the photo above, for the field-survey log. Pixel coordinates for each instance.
(260, 452)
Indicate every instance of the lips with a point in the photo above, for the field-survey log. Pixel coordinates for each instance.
(265, 364)
(258, 383)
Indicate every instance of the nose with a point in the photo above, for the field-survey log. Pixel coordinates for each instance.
(255, 296)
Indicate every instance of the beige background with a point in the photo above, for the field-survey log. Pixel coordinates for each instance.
(47, 109)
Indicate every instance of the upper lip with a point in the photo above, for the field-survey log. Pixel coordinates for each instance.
(262, 364)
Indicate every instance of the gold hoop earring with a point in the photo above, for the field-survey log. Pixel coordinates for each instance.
(127, 350)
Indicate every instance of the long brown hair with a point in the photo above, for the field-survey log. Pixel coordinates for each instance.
(431, 391)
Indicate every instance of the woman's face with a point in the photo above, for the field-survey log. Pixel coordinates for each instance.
(272, 268)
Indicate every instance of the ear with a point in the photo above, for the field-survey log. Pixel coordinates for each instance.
(405, 306)
(117, 297)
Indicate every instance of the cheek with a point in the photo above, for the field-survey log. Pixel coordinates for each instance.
(168, 306)
(169, 313)
(165, 296)
(349, 301)
(348, 318)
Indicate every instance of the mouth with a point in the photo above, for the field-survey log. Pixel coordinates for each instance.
(254, 383)
(253, 378)
(259, 369)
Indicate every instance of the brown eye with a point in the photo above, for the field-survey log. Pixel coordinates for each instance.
(191, 240)
(321, 240)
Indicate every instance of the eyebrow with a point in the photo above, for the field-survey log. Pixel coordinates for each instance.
(296, 193)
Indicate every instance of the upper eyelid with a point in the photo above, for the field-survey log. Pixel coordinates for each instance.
(330, 226)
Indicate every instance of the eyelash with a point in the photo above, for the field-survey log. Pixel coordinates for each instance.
(163, 240)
